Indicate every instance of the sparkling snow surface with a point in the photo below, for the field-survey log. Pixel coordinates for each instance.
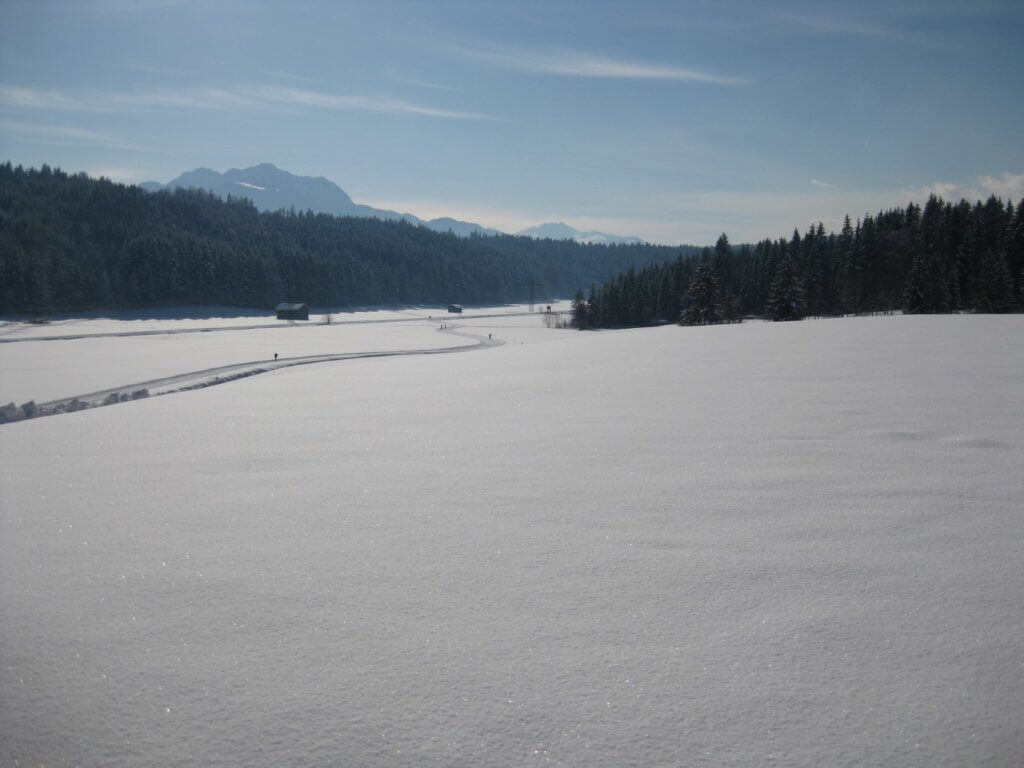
(795, 544)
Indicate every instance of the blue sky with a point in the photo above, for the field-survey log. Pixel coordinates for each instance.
(672, 121)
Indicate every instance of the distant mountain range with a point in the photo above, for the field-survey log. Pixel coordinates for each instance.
(559, 231)
(272, 189)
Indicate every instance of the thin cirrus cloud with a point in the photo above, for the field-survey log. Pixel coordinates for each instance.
(417, 82)
(840, 26)
(303, 98)
(65, 135)
(34, 98)
(245, 98)
(569, 63)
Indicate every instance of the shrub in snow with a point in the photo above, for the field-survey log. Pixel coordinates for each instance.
(551, 320)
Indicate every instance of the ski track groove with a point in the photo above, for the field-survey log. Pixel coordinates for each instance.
(209, 377)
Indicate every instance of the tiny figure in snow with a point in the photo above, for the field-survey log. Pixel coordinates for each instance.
(275, 355)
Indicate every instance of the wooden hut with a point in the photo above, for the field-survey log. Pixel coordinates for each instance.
(292, 312)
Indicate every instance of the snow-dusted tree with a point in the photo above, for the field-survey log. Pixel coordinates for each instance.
(786, 299)
(928, 286)
(993, 291)
(703, 295)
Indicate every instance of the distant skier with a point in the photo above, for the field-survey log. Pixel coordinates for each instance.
(275, 355)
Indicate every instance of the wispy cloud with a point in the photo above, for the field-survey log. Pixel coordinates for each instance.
(164, 71)
(66, 135)
(420, 83)
(315, 99)
(945, 189)
(218, 99)
(125, 6)
(35, 98)
(293, 77)
(1008, 186)
(955, 9)
(244, 98)
(571, 63)
(822, 184)
(842, 26)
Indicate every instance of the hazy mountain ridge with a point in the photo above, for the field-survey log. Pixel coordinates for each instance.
(557, 230)
(272, 189)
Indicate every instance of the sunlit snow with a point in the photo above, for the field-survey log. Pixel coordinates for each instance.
(798, 544)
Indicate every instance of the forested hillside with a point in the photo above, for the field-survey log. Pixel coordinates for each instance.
(941, 258)
(71, 242)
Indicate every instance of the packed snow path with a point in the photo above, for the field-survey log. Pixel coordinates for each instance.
(222, 374)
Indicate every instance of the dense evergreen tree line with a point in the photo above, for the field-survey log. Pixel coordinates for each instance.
(71, 242)
(942, 258)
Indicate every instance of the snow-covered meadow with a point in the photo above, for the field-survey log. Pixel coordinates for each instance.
(76, 356)
(796, 544)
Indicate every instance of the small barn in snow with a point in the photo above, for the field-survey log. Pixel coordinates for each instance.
(292, 312)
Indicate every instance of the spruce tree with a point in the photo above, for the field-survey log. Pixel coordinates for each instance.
(849, 268)
(993, 291)
(928, 286)
(1014, 244)
(579, 311)
(786, 299)
(703, 295)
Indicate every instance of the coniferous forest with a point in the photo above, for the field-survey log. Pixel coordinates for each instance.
(942, 258)
(69, 242)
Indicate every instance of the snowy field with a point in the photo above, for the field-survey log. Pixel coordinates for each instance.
(184, 319)
(76, 356)
(792, 544)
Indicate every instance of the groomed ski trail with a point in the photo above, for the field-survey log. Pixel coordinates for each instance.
(209, 377)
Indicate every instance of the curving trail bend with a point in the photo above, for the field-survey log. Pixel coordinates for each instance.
(209, 377)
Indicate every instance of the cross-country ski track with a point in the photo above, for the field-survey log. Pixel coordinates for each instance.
(209, 377)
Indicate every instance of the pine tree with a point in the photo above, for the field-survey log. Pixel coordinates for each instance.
(579, 311)
(786, 300)
(703, 294)
(993, 291)
(928, 286)
(1014, 242)
(849, 268)
(721, 263)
